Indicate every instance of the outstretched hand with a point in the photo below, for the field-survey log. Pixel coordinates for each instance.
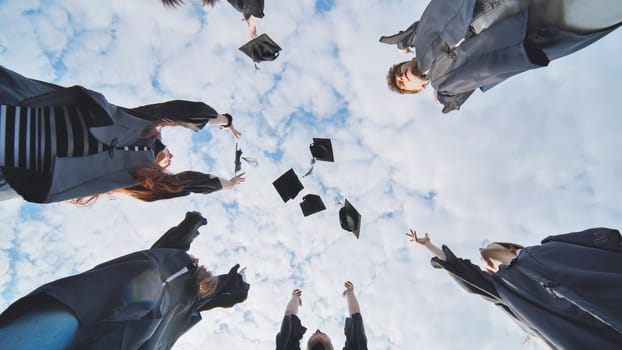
(413, 237)
(242, 273)
(236, 134)
(297, 293)
(229, 184)
(349, 288)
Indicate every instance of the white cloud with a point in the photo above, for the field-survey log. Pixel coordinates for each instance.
(536, 155)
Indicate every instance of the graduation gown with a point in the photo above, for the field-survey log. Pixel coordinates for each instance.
(565, 291)
(126, 304)
(249, 8)
(464, 45)
(73, 177)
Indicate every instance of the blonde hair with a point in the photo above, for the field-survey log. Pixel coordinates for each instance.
(206, 283)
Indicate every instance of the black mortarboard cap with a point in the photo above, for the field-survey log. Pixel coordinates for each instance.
(262, 48)
(350, 219)
(322, 149)
(311, 204)
(238, 156)
(288, 185)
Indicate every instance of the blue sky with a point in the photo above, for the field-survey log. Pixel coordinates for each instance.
(536, 155)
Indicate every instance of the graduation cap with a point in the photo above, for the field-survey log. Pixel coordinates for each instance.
(350, 219)
(321, 149)
(311, 204)
(238, 160)
(288, 185)
(262, 48)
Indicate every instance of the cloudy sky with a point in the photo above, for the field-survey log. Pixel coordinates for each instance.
(536, 155)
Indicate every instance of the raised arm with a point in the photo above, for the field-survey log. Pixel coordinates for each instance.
(182, 235)
(353, 304)
(294, 303)
(426, 242)
(190, 114)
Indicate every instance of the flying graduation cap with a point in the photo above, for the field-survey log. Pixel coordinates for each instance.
(350, 219)
(311, 204)
(322, 150)
(262, 48)
(288, 185)
(238, 160)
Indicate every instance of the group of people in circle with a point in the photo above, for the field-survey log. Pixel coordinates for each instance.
(71, 144)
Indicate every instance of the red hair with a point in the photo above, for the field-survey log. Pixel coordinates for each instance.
(152, 182)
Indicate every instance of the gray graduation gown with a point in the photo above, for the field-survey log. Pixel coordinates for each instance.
(74, 177)
(566, 291)
(464, 45)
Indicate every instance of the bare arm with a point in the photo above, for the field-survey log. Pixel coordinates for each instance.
(229, 184)
(294, 303)
(426, 242)
(353, 304)
(226, 122)
(252, 26)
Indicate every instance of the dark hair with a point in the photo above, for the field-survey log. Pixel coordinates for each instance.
(318, 346)
(173, 3)
(392, 82)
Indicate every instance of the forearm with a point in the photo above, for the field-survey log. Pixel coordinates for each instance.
(292, 306)
(436, 251)
(353, 304)
(221, 120)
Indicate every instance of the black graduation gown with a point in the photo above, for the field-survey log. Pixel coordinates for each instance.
(125, 304)
(565, 291)
(249, 8)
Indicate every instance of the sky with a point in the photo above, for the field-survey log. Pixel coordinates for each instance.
(536, 155)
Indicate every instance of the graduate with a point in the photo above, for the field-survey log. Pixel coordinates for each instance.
(143, 300)
(464, 45)
(61, 143)
(292, 329)
(565, 291)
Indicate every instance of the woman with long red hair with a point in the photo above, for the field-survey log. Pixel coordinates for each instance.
(60, 144)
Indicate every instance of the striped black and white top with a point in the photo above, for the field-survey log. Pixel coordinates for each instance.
(31, 136)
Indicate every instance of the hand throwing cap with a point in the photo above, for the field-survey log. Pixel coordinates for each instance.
(350, 219)
(322, 149)
(311, 204)
(262, 48)
(288, 185)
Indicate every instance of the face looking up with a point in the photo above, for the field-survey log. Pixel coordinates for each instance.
(408, 78)
(496, 254)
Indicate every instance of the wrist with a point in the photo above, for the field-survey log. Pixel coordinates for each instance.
(229, 120)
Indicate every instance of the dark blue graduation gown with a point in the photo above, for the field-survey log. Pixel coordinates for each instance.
(124, 304)
(566, 291)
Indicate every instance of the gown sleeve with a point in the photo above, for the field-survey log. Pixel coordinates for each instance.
(290, 334)
(467, 275)
(452, 102)
(355, 333)
(182, 235)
